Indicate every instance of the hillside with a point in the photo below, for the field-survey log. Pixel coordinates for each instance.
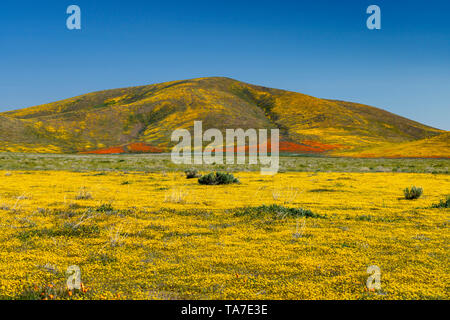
(19, 135)
(141, 119)
(435, 147)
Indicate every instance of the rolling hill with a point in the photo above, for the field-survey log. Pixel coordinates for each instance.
(435, 147)
(141, 119)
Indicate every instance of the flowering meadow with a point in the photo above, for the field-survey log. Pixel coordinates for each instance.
(138, 235)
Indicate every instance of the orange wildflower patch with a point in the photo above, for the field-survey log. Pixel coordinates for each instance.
(111, 150)
(287, 146)
(143, 147)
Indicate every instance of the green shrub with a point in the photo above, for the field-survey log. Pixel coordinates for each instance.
(365, 218)
(443, 203)
(192, 173)
(413, 193)
(215, 178)
(276, 211)
(105, 207)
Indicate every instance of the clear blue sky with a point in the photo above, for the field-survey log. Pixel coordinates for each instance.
(321, 48)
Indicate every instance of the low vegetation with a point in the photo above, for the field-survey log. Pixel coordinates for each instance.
(443, 203)
(217, 178)
(413, 193)
(160, 163)
(276, 211)
(192, 173)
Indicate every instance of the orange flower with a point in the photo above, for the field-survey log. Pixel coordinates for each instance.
(69, 293)
(50, 296)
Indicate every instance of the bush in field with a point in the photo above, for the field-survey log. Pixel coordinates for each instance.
(192, 173)
(215, 178)
(105, 207)
(442, 203)
(83, 194)
(413, 193)
(276, 211)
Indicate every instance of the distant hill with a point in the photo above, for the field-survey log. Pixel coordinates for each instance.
(141, 119)
(435, 147)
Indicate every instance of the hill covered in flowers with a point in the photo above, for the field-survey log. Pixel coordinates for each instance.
(141, 119)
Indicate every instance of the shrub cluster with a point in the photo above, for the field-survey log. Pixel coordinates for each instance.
(276, 211)
(192, 173)
(216, 178)
(413, 193)
(443, 203)
(105, 207)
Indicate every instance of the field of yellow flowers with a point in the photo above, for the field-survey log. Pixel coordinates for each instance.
(139, 235)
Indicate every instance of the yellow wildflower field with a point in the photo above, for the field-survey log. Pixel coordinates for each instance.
(141, 235)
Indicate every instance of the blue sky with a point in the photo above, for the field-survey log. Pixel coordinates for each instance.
(321, 48)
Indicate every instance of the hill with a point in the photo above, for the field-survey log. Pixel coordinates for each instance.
(141, 119)
(435, 147)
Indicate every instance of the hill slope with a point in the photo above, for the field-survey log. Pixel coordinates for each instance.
(435, 147)
(147, 115)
